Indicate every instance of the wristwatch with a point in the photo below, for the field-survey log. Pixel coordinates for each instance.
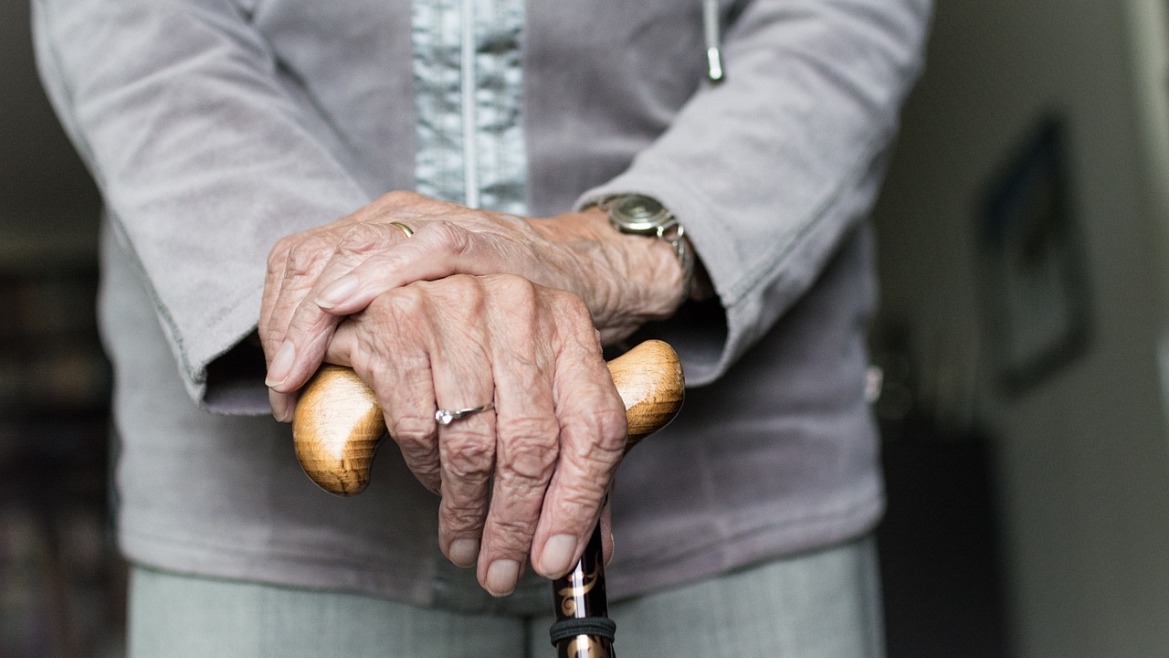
(637, 214)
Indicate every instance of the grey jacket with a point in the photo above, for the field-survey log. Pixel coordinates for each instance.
(214, 127)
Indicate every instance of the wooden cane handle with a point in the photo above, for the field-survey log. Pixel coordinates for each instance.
(338, 424)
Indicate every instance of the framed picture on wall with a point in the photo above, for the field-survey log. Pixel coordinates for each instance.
(1034, 275)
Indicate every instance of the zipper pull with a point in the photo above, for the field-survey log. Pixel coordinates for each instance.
(714, 59)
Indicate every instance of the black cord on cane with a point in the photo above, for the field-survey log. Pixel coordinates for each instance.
(596, 626)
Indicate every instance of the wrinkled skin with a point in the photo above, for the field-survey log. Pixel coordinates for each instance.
(477, 307)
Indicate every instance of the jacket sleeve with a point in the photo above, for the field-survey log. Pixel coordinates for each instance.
(205, 151)
(770, 169)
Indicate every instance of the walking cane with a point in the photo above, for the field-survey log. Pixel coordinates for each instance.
(338, 426)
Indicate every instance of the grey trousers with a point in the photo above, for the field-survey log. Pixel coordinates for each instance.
(824, 604)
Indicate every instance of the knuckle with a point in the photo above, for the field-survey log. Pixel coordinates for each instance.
(614, 426)
(574, 320)
(414, 434)
(516, 290)
(513, 533)
(575, 310)
(529, 454)
(463, 518)
(451, 238)
(469, 456)
(278, 256)
(461, 296)
(362, 239)
(462, 284)
(304, 255)
(604, 450)
(578, 502)
(402, 305)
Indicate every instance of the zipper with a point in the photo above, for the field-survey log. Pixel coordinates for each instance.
(470, 120)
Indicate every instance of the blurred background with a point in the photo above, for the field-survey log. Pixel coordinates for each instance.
(61, 585)
(1022, 349)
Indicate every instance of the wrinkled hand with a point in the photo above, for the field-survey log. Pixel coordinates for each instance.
(475, 307)
(318, 277)
(527, 477)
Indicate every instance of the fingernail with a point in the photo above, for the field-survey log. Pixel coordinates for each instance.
(558, 553)
(281, 406)
(337, 292)
(281, 364)
(464, 552)
(502, 576)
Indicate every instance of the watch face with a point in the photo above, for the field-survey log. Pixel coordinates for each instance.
(638, 213)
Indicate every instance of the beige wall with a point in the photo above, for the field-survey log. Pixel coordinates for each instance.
(1083, 461)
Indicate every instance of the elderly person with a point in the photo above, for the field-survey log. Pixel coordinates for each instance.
(521, 144)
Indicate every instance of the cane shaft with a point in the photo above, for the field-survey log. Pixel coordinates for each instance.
(581, 595)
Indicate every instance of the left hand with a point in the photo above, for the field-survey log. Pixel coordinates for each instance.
(318, 277)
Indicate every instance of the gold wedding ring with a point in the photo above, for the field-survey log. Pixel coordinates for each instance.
(405, 229)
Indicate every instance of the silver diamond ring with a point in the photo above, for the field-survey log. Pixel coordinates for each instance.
(448, 416)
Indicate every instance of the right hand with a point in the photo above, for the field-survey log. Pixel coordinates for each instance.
(528, 478)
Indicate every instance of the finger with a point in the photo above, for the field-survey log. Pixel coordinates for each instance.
(273, 276)
(304, 258)
(437, 250)
(461, 367)
(526, 432)
(592, 439)
(388, 347)
(283, 405)
(311, 324)
(292, 258)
